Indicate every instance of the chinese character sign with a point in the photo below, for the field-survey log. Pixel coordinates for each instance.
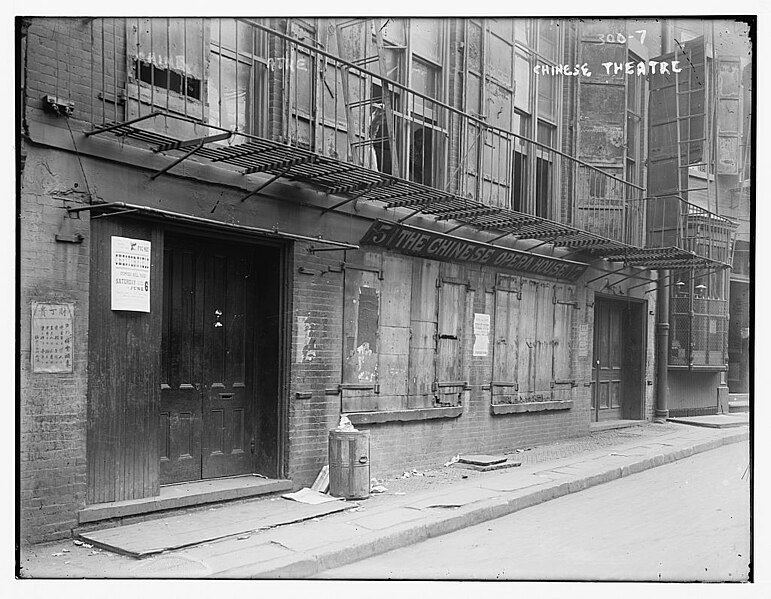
(52, 338)
(130, 272)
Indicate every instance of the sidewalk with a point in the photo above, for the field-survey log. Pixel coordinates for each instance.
(412, 509)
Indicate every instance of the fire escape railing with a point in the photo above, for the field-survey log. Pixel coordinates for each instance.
(261, 84)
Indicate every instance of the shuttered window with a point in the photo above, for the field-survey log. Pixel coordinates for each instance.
(532, 340)
(404, 333)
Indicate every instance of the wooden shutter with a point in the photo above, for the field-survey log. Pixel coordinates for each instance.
(601, 97)
(361, 317)
(451, 378)
(728, 115)
(601, 125)
(423, 311)
(536, 328)
(506, 338)
(562, 341)
(394, 332)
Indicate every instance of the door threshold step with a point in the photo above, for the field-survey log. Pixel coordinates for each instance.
(606, 425)
(185, 495)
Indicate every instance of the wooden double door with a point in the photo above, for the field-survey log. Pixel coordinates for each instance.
(617, 386)
(207, 393)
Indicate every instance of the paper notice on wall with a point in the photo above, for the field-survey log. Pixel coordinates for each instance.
(481, 334)
(130, 273)
(52, 337)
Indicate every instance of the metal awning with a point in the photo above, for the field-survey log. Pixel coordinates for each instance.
(115, 208)
(665, 259)
(358, 183)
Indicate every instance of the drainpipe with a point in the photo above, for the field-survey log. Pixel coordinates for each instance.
(662, 347)
(662, 295)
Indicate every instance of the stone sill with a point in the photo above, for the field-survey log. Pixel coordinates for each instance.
(698, 367)
(535, 406)
(185, 495)
(404, 415)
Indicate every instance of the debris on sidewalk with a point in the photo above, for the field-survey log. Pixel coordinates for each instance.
(452, 461)
(378, 489)
(345, 424)
(321, 484)
(306, 495)
(485, 463)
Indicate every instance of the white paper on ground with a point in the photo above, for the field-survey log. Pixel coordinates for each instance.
(307, 495)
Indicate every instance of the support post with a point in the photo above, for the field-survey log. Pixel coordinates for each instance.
(662, 347)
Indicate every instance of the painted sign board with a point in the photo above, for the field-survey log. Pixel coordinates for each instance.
(439, 246)
(130, 274)
(52, 338)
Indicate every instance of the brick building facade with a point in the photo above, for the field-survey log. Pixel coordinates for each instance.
(244, 154)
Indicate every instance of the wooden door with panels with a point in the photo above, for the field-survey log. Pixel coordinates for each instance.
(207, 385)
(607, 362)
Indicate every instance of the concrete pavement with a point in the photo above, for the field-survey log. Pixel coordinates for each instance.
(408, 513)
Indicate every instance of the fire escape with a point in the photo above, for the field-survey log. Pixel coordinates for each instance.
(299, 112)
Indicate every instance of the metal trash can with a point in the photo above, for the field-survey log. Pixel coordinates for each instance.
(349, 464)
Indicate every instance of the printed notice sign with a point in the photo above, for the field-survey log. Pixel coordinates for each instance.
(481, 334)
(130, 272)
(52, 339)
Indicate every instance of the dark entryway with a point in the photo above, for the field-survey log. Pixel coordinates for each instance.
(219, 359)
(618, 359)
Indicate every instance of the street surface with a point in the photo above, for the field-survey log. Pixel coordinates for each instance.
(685, 521)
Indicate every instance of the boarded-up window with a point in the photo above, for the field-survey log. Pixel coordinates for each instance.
(505, 339)
(532, 340)
(404, 335)
(360, 338)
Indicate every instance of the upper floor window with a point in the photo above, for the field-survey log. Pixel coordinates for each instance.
(237, 82)
(166, 65)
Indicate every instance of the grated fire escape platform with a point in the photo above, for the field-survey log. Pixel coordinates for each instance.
(353, 182)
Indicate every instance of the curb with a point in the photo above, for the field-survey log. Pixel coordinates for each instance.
(335, 555)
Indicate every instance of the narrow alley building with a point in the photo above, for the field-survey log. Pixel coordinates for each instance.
(233, 231)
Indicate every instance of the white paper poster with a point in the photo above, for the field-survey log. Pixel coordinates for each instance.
(52, 342)
(481, 334)
(130, 272)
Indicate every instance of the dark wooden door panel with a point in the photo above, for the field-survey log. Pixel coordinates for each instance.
(607, 370)
(226, 351)
(206, 416)
(180, 416)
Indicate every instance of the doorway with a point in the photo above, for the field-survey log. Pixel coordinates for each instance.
(618, 360)
(219, 391)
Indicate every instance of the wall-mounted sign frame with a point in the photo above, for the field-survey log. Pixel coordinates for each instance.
(130, 274)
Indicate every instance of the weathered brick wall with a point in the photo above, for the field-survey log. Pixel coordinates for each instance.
(74, 59)
(52, 410)
(316, 367)
(316, 324)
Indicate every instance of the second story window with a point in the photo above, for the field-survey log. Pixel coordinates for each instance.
(237, 86)
(166, 65)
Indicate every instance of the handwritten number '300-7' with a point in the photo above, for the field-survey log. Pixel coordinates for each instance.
(620, 38)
